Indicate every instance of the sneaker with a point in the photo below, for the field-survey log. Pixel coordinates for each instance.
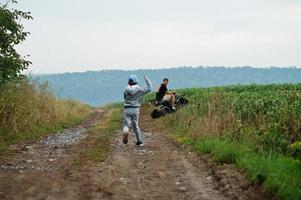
(125, 139)
(174, 108)
(139, 144)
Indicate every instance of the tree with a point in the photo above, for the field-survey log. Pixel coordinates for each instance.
(11, 34)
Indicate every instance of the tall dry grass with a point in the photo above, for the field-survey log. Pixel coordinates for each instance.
(29, 110)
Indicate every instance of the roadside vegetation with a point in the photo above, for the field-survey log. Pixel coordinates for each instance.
(256, 127)
(29, 111)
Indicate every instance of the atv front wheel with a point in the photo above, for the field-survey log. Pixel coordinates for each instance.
(157, 113)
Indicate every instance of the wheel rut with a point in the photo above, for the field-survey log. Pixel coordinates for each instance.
(159, 170)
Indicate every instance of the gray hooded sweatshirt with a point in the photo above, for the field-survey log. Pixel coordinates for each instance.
(133, 94)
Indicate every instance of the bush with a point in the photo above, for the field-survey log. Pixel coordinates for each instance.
(11, 34)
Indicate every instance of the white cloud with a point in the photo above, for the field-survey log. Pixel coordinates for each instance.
(89, 35)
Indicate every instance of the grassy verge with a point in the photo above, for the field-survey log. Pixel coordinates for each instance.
(103, 132)
(279, 174)
(29, 111)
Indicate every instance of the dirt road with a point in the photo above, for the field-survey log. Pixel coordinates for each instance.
(160, 170)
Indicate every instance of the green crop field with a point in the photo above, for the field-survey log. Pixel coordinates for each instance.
(268, 116)
(256, 127)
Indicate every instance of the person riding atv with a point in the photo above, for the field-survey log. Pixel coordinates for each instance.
(166, 102)
(163, 94)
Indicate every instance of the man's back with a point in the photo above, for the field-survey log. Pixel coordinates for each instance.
(133, 94)
(132, 100)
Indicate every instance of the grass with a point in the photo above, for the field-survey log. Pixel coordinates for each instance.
(267, 115)
(103, 132)
(29, 111)
(255, 127)
(280, 175)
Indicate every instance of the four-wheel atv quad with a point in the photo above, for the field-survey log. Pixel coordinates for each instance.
(165, 107)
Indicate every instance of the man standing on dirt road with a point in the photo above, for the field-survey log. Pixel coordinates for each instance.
(132, 101)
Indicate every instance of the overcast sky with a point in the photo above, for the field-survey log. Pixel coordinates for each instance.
(81, 35)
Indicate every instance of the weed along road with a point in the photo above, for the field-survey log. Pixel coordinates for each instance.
(91, 162)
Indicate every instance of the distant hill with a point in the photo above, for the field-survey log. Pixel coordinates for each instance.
(101, 87)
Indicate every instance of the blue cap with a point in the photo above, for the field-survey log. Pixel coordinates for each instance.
(133, 79)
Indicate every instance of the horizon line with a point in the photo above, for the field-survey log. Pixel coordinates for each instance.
(163, 68)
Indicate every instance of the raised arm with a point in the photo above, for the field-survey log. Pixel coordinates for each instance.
(148, 88)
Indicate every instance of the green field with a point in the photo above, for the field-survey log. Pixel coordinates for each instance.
(256, 127)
